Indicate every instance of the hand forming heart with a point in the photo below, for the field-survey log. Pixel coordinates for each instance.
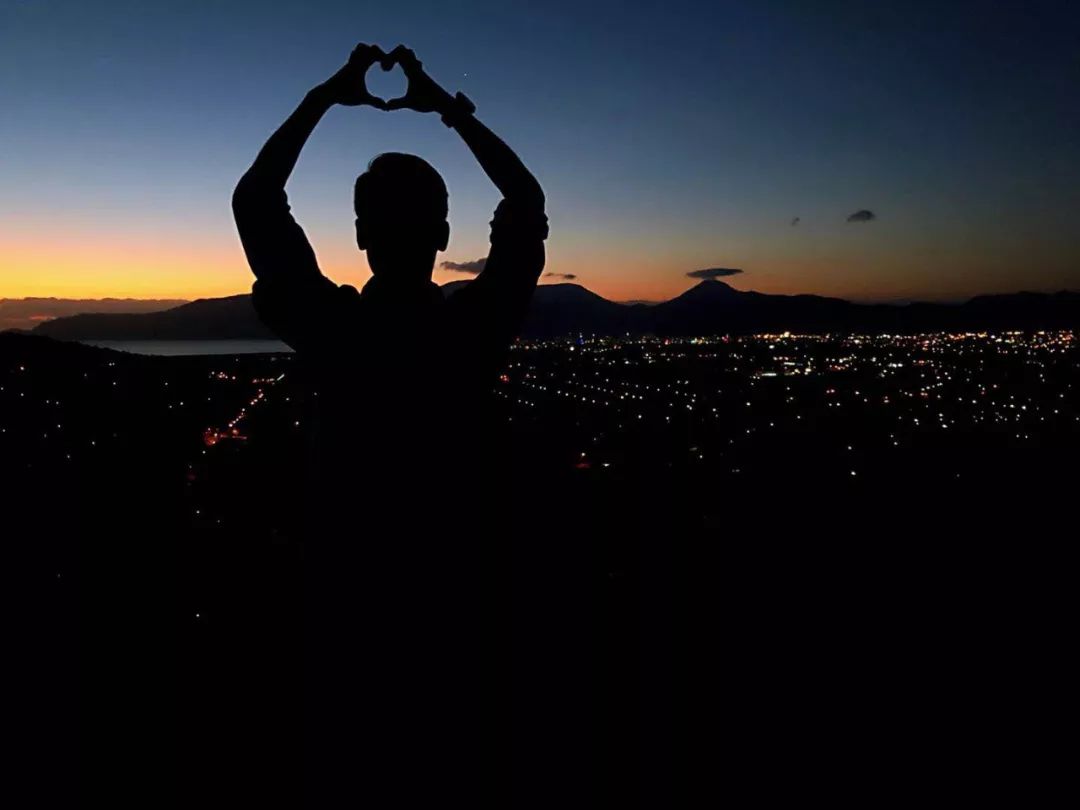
(423, 93)
(386, 80)
(349, 85)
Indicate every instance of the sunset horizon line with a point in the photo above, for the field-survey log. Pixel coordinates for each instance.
(898, 299)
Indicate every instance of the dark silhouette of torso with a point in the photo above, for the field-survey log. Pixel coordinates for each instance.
(405, 543)
(403, 379)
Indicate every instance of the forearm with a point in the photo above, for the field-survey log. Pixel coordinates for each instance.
(274, 243)
(278, 156)
(498, 160)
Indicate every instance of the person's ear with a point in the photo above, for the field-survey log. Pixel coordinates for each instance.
(361, 235)
(443, 237)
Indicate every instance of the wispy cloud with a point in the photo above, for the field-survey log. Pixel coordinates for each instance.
(862, 215)
(795, 221)
(473, 267)
(566, 276)
(714, 272)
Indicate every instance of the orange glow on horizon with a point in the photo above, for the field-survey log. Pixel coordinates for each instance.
(92, 264)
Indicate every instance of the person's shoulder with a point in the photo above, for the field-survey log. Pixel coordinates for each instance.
(264, 292)
(296, 285)
(464, 294)
(303, 300)
(467, 304)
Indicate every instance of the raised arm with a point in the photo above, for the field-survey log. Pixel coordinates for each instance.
(500, 295)
(275, 245)
(498, 160)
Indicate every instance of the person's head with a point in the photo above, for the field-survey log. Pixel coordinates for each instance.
(401, 209)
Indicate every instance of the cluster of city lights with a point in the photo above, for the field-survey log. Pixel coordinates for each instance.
(729, 390)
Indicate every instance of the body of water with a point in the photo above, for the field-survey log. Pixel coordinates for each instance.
(177, 348)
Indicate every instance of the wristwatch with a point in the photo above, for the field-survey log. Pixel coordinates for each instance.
(460, 107)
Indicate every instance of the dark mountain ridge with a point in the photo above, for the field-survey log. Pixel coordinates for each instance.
(710, 307)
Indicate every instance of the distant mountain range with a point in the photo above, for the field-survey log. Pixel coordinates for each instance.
(26, 313)
(711, 307)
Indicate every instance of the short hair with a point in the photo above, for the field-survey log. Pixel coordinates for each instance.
(401, 186)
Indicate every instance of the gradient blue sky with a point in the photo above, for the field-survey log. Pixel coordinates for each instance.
(669, 137)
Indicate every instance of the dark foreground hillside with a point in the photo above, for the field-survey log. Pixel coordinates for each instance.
(741, 557)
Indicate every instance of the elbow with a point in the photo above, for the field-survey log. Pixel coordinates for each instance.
(532, 197)
(256, 195)
(535, 195)
(244, 193)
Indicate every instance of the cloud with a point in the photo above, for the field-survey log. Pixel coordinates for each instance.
(862, 215)
(714, 272)
(567, 276)
(473, 267)
(795, 221)
(26, 313)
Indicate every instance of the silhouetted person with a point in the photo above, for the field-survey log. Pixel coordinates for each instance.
(401, 559)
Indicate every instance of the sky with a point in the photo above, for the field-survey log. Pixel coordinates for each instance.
(669, 138)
